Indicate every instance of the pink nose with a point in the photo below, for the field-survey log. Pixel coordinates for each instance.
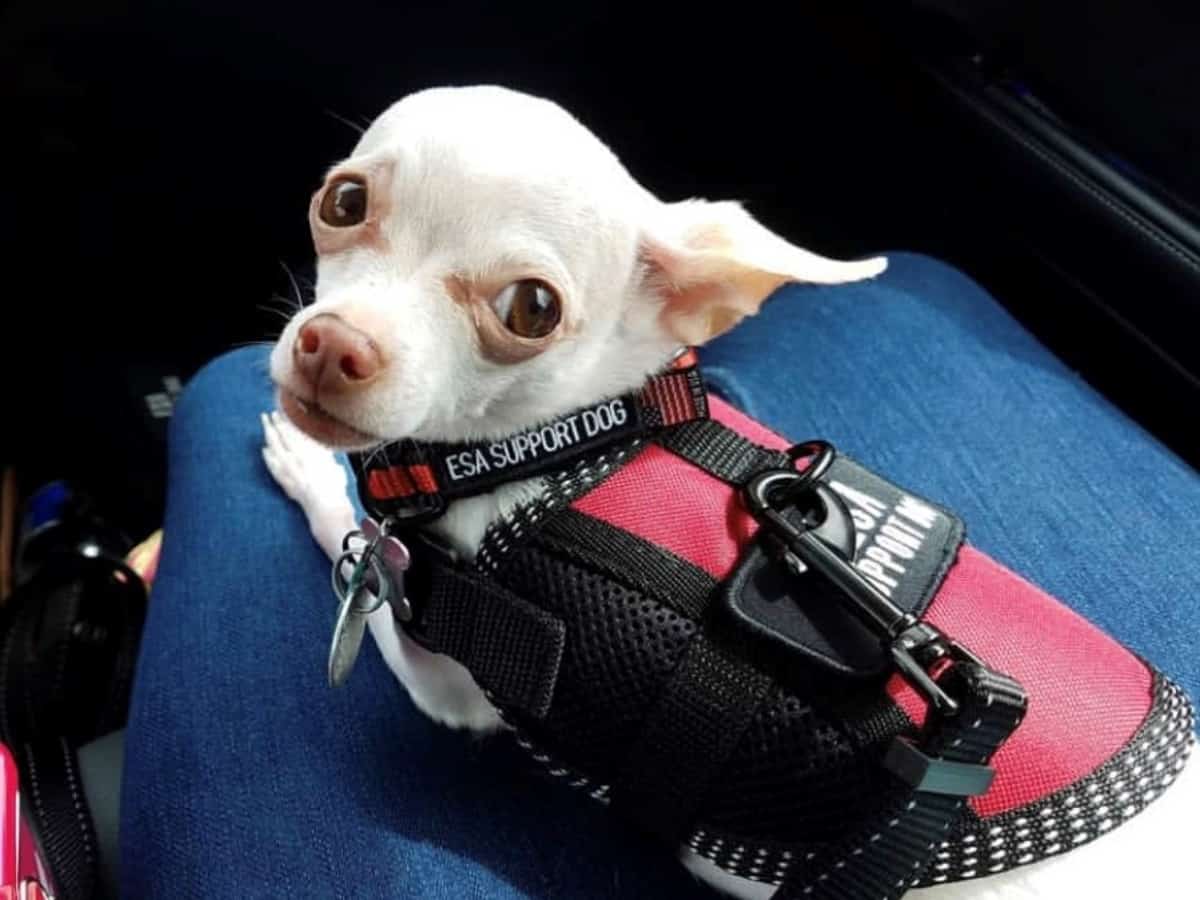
(334, 357)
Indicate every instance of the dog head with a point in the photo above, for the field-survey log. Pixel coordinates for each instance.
(485, 263)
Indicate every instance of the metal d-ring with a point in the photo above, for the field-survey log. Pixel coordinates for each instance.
(362, 561)
(821, 453)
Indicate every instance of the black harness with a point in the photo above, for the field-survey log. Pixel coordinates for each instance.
(745, 719)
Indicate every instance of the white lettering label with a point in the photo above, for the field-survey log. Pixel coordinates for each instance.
(529, 446)
(883, 550)
(870, 505)
(917, 511)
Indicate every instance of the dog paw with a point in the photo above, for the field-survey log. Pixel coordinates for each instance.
(308, 473)
(312, 476)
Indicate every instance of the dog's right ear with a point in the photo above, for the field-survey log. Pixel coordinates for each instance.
(713, 264)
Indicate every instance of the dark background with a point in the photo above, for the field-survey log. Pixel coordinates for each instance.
(159, 158)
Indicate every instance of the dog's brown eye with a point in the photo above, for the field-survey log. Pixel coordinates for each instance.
(529, 308)
(345, 202)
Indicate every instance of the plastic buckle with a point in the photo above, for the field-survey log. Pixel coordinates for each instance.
(936, 776)
(915, 646)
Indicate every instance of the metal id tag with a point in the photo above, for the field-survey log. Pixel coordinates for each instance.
(368, 574)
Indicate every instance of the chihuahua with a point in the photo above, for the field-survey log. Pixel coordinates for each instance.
(486, 264)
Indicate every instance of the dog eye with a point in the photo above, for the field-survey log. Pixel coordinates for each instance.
(345, 202)
(528, 308)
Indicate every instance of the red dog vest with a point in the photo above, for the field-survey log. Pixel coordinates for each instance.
(661, 641)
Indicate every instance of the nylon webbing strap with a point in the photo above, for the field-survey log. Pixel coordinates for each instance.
(629, 559)
(693, 729)
(887, 855)
(721, 451)
(415, 480)
(60, 812)
(511, 647)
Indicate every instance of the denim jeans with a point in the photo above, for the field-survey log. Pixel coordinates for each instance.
(245, 774)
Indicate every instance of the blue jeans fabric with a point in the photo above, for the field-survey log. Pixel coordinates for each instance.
(246, 774)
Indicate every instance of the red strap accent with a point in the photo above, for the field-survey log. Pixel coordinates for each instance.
(672, 396)
(381, 485)
(401, 481)
(423, 477)
(686, 360)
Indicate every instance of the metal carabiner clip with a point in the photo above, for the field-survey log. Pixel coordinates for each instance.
(915, 646)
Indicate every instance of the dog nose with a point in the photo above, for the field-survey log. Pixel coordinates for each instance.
(335, 357)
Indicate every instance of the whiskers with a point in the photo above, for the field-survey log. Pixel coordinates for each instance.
(286, 306)
(349, 123)
(285, 312)
(297, 296)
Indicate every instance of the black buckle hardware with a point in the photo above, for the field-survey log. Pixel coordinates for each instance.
(915, 646)
(936, 776)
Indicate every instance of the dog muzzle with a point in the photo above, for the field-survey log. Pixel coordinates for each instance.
(772, 655)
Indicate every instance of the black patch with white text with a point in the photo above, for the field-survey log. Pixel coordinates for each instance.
(470, 467)
(903, 545)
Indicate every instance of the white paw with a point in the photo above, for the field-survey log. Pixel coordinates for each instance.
(311, 475)
(308, 473)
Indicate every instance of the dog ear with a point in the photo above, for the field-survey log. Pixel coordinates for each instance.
(713, 264)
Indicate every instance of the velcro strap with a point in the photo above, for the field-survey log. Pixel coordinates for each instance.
(511, 647)
(693, 729)
(887, 855)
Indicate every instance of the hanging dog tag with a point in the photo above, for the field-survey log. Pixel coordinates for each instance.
(396, 560)
(376, 577)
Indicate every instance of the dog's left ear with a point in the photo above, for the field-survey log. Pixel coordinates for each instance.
(713, 264)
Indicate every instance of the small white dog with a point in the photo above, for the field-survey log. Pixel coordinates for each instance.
(486, 264)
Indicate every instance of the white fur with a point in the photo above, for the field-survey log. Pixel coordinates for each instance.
(491, 183)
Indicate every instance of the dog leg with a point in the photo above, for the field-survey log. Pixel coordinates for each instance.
(311, 475)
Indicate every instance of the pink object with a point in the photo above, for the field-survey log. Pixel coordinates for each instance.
(23, 874)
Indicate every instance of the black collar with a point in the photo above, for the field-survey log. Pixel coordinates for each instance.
(415, 481)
